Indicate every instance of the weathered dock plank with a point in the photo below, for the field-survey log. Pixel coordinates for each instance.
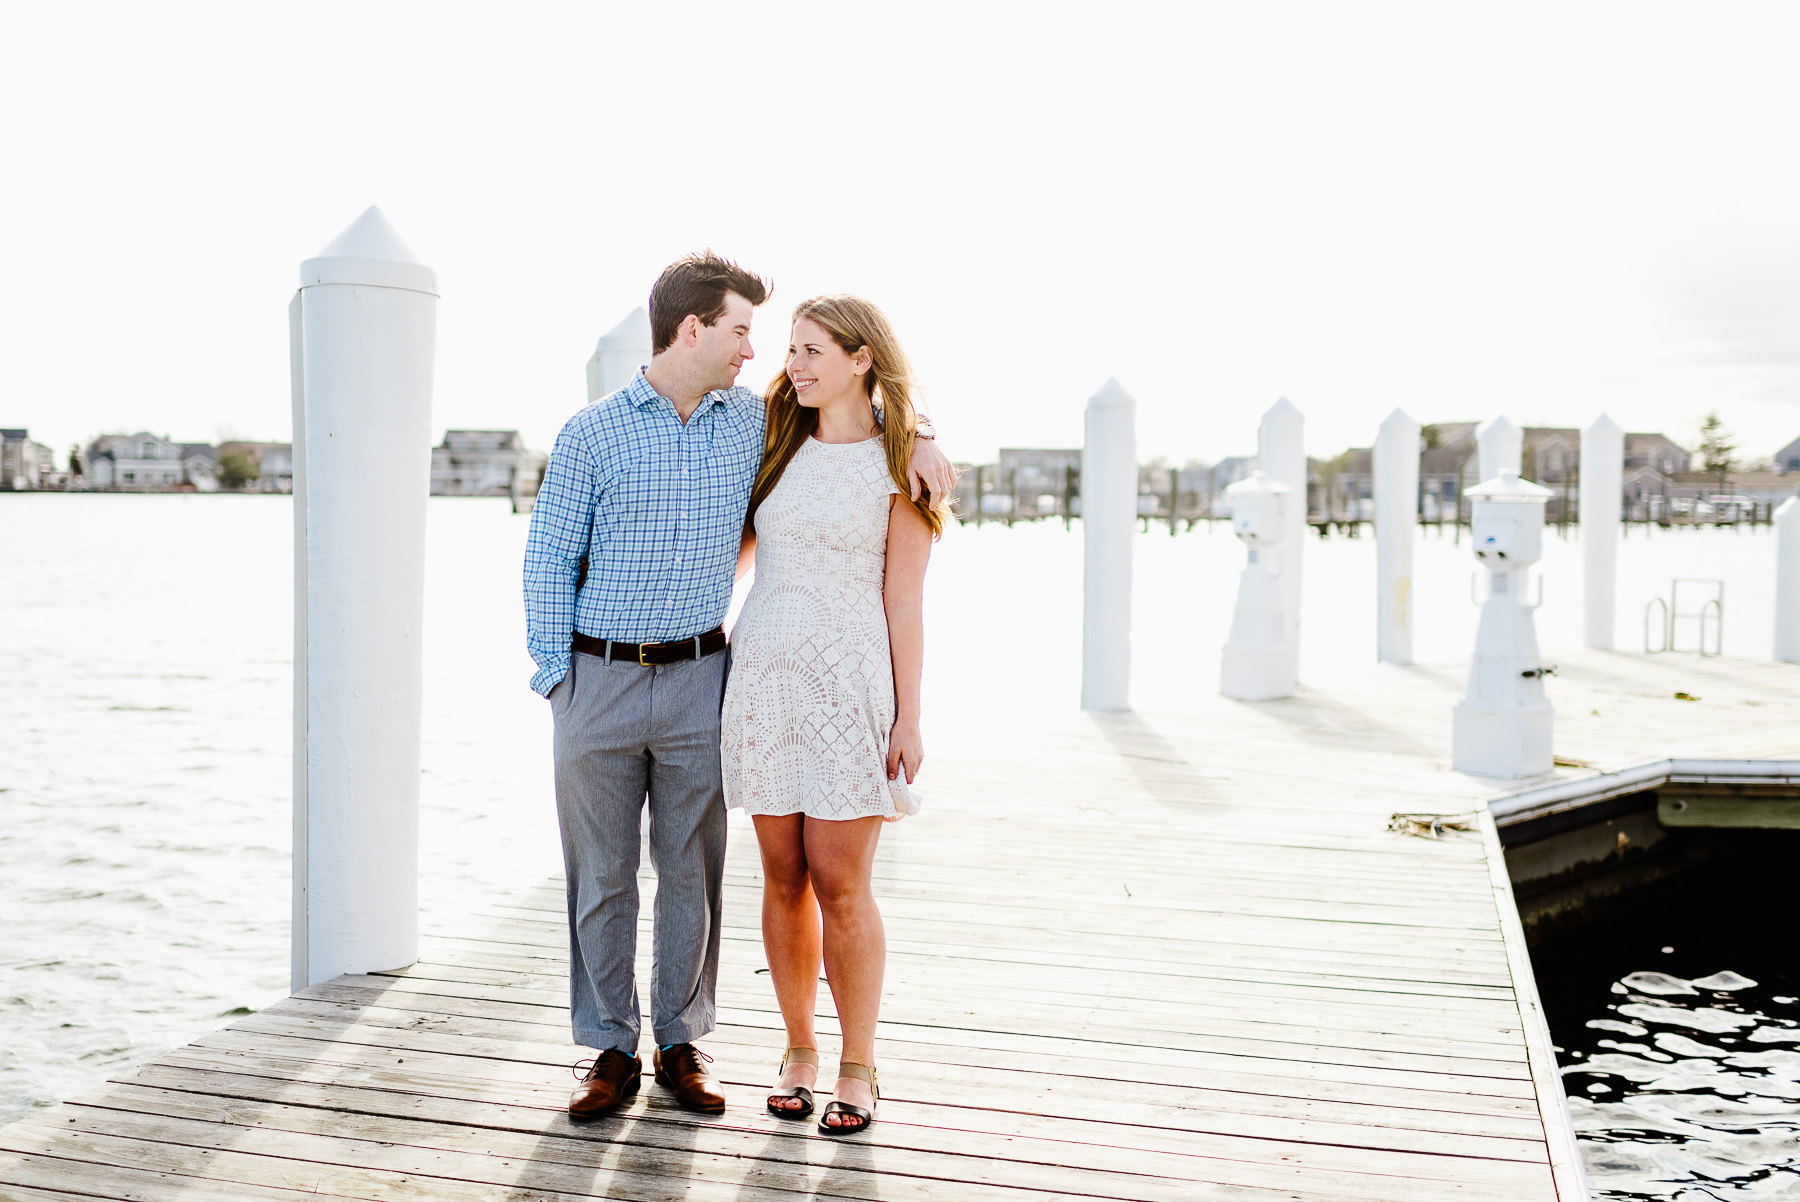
(1143, 956)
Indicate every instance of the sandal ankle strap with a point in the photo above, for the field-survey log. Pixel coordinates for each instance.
(798, 1056)
(857, 1072)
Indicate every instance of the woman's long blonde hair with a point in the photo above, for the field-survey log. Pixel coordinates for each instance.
(853, 323)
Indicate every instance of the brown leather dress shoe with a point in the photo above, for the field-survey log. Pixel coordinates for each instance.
(682, 1069)
(611, 1080)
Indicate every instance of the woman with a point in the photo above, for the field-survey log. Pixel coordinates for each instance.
(821, 719)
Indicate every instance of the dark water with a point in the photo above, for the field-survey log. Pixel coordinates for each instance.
(1684, 1083)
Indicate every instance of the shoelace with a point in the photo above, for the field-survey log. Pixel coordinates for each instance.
(587, 1070)
(686, 1061)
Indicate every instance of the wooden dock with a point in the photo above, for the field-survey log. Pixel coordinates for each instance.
(1160, 957)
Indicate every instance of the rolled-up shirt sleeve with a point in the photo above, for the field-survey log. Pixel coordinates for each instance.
(561, 528)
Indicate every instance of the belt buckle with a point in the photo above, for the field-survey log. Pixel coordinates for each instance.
(642, 662)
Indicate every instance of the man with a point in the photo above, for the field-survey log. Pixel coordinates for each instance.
(628, 573)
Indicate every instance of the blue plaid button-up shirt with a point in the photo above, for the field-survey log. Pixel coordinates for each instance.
(657, 508)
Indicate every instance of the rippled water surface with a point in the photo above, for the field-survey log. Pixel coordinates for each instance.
(145, 744)
(1678, 1028)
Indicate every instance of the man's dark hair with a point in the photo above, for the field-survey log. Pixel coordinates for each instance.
(697, 284)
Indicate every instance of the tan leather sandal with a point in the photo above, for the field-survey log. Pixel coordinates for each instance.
(863, 1119)
(793, 1056)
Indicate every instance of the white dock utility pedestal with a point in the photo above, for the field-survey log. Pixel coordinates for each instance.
(1259, 661)
(1503, 724)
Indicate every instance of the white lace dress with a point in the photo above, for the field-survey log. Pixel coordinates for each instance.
(810, 699)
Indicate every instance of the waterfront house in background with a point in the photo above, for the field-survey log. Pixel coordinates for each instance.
(141, 462)
(1658, 452)
(200, 466)
(485, 463)
(1448, 467)
(1787, 459)
(145, 462)
(24, 465)
(272, 464)
(1028, 482)
(1551, 456)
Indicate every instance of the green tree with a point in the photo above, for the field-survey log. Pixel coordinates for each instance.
(238, 468)
(1716, 448)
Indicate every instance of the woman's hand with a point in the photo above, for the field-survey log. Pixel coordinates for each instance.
(930, 469)
(905, 750)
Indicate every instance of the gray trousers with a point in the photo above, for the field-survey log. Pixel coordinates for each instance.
(624, 734)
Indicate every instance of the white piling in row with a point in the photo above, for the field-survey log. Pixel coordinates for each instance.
(363, 333)
(1109, 492)
(1499, 447)
(1602, 487)
(1281, 454)
(1787, 581)
(1396, 470)
(619, 353)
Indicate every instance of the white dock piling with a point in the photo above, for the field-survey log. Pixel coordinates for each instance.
(362, 331)
(1109, 484)
(1396, 457)
(1499, 447)
(1787, 581)
(1602, 487)
(1281, 454)
(619, 353)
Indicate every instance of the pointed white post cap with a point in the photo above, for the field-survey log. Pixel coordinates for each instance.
(1508, 487)
(1256, 485)
(1501, 424)
(1112, 393)
(629, 335)
(1789, 513)
(370, 251)
(1283, 408)
(1399, 419)
(1606, 427)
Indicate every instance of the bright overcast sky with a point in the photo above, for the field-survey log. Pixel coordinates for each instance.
(1459, 210)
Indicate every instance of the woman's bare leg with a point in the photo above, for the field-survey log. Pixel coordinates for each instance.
(791, 939)
(840, 859)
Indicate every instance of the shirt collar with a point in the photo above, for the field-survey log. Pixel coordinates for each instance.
(641, 393)
(644, 395)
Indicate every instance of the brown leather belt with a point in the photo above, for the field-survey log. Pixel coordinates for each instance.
(648, 654)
